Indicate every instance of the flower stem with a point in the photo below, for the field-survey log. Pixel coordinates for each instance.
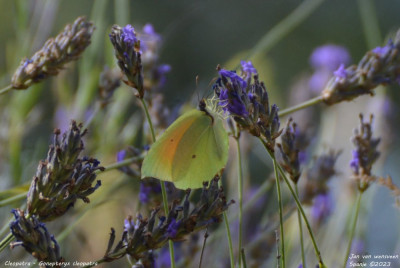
(243, 258)
(278, 190)
(163, 190)
(153, 135)
(120, 164)
(353, 228)
(92, 116)
(240, 194)
(228, 234)
(6, 89)
(303, 257)
(6, 241)
(300, 106)
(303, 214)
(13, 199)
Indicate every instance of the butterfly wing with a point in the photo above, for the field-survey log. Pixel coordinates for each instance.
(158, 161)
(201, 153)
(192, 150)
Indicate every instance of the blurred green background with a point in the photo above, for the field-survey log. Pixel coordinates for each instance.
(197, 36)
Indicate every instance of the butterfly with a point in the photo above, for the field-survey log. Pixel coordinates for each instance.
(192, 150)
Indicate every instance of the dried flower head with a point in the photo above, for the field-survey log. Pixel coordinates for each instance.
(56, 52)
(247, 102)
(35, 238)
(365, 154)
(63, 177)
(144, 235)
(127, 51)
(380, 66)
(317, 176)
(289, 151)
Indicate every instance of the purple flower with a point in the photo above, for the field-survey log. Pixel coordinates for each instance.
(365, 153)
(129, 35)
(355, 162)
(164, 68)
(149, 30)
(357, 246)
(231, 102)
(26, 62)
(172, 229)
(128, 224)
(325, 60)
(232, 90)
(144, 193)
(319, 79)
(329, 57)
(341, 72)
(235, 79)
(322, 207)
(248, 68)
(121, 155)
(382, 51)
(161, 72)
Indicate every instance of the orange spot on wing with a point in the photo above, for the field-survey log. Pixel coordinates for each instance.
(176, 137)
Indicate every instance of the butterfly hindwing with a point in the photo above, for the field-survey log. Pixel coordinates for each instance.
(192, 150)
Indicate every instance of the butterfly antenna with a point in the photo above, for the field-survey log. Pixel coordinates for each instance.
(197, 88)
(204, 245)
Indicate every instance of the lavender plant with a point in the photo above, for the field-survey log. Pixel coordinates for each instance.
(144, 235)
(55, 53)
(261, 227)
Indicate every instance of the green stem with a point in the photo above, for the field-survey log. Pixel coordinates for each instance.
(240, 193)
(243, 258)
(6, 89)
(284, 27)
(299, 206)
(120, 164)
(13, 199)
(353, 228)
(300, 106)
(303, 257)
(163, 190)
(303, 214)
(278, 190)
(92, 116)
(6, 241)
(146, 111)
(228, 234)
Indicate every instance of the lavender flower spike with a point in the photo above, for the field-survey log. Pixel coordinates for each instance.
(380, 66)
(35, 238)
(127, 51)
(365, 154)
(147, 235)
(63, 177)
(56, 52)
(245, 98)
(289, 152)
